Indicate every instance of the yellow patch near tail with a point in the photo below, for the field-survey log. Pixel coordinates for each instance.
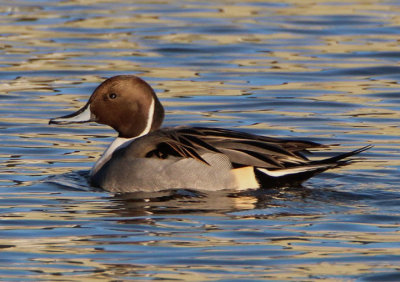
(245, 178)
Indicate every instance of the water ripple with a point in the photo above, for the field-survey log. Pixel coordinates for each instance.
(322, 71)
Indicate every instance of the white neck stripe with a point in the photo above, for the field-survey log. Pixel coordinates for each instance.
(149, 119)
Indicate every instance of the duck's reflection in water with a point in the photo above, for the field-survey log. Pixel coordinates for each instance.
(193, 202)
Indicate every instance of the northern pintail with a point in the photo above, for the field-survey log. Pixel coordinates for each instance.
(146, 157)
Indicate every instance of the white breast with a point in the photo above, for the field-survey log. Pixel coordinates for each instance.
(116, 144)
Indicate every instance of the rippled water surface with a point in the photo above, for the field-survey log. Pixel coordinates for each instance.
(325, 71)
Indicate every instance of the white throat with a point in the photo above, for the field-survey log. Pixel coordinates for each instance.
(121, 142)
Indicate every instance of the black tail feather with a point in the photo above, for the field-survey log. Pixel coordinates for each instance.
(339, 159)
(269, 180)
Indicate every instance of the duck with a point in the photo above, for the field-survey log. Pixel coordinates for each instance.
(146, 157)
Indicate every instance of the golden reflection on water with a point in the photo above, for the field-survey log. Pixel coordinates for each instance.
(216, 57)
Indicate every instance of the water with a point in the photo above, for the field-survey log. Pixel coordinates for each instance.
(324, 71)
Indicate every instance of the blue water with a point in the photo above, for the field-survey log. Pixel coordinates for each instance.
(321, 71)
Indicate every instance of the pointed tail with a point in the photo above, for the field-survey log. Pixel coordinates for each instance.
(300, 173)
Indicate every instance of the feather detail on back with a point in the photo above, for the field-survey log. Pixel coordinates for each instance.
(273, 161)
(243, 149)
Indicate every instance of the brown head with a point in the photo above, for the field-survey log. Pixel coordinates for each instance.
(125, 102)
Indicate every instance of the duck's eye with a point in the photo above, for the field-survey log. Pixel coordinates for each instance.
(112, 95)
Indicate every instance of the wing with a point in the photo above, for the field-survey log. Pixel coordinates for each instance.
(243, 149)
